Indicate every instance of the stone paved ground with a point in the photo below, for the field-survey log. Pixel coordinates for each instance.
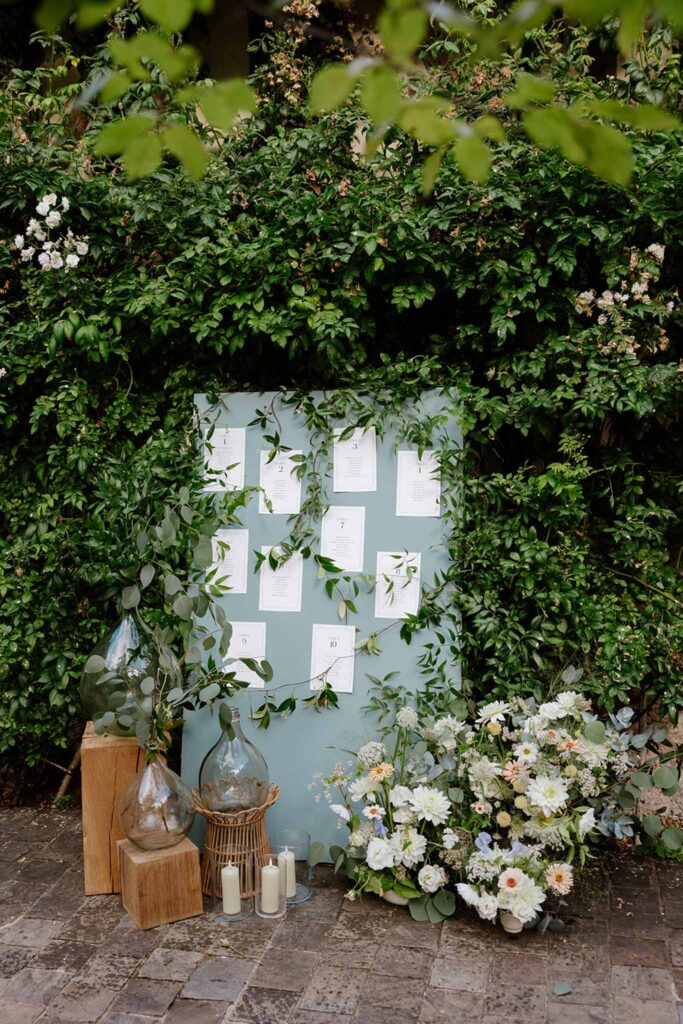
(67, 959)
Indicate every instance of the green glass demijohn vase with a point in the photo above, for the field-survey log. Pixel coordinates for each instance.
(234, 775)
(112, 677)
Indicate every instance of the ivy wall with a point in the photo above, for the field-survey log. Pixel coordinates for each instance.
(546, 296)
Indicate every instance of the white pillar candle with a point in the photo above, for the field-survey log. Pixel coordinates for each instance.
(287, 866)
(270, 888)
(230, 884)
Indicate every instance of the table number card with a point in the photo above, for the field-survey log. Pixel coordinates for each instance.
(333, 657)
(398, 585)
(280, 589)
(342, 536)
(355, 461)
(279, 484)
(233, 561)
(224, 453)
(418, 485)
(248, 640)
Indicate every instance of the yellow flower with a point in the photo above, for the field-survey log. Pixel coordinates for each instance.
(571, 771)
(382, 772)
(503, 819)
(494, 728)
(521, 803)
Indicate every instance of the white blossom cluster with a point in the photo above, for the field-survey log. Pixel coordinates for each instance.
(63, 252)
(616, 307)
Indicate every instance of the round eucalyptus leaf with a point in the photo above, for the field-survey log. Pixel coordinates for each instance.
(594, 732)
(171, 584)
(147, 685)
(665, 777)
(147, 575)
(95, 663)
(209, 692)
(130, 597)
(142, 730)
(672, 838)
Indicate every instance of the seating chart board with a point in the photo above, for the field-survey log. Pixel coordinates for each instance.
(383, 526)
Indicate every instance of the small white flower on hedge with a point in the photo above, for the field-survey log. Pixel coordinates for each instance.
(431, 878)
(57, 252)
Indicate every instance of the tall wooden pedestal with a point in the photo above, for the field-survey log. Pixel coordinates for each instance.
(108, 764)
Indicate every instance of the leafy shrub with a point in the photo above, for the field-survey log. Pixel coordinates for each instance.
(294, 261)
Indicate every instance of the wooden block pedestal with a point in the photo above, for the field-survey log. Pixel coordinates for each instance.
(108, 764)
(159, 886)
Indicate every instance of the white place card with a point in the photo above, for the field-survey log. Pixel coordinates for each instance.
(355, 461)
(233, 561)
(333, 657)
(280, 589)
(398, 586)
(248, 640)
(224, 453)
(279, 484)
(418, 484)
(342, 536)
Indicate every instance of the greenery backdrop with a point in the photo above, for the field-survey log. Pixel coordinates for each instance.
(294, 261)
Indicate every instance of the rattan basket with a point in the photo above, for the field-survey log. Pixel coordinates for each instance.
(237, 838)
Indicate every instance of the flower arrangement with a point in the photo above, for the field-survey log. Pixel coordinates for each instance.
(497, 803)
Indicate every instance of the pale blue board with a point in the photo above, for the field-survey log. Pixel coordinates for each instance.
(309, 742)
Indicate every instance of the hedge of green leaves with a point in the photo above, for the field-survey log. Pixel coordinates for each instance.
(295, 262)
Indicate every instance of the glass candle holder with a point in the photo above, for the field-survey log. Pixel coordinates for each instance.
(232, 887)
(270, 902)
(291, 848)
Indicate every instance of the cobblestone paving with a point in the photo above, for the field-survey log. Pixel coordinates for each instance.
(70, 959)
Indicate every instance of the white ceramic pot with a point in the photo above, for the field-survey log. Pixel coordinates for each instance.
(393, 897)
(511, 924)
